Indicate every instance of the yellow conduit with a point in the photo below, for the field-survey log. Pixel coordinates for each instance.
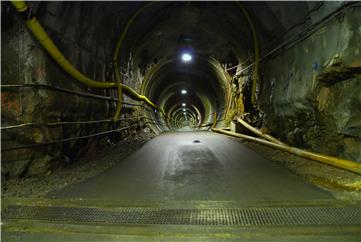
(41, 35)
(333, 161)
(256, 52)
(116, 56)
(214, 120)
(126, 28)
(256, 131)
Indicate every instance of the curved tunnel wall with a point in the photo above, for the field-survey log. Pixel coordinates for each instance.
(203, 80)
(220, 38)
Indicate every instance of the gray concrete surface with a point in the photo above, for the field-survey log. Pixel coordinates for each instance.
(195, 166)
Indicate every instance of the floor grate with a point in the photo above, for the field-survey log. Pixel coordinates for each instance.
(272, 216)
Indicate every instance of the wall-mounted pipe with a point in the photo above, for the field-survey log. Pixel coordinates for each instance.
(255, 75)
(124, 32)
(333, 161)
(40, 34)
(214, 120)
(258, 132)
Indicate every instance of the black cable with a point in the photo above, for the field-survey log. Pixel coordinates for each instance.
(65, 140)
(67, 122)
(60, 89)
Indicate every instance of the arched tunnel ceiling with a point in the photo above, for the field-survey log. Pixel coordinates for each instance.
(209, 30)
(215, 29)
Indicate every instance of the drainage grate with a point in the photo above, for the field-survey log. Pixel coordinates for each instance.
(290, 216)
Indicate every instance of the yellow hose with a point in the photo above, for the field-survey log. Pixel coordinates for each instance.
(116, 56)
(41, 35)
(20, 6)
(333, 161)
(119, 106)
(256, 131)
(256, 52)
(214, 120)
(126, 28)
(39, 32)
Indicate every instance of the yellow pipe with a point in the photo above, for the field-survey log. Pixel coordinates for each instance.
(41, 35)
(214, 120)
(126, 28)
(333, 161)
(256, 131)
(20, 6)
(50, 47)
(116, 56)
(256, 52)
(119, 106)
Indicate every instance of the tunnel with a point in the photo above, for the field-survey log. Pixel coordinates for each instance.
(180, 121)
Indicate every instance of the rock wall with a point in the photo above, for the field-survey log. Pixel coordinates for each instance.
(307, 97)
(86, 38)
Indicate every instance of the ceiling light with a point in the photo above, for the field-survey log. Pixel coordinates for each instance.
(186, 57)
(183, 104)
(184, 91)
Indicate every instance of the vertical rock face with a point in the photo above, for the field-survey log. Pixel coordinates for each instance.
(307, 98)
(84, 36)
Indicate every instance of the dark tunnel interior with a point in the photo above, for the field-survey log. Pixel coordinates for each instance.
(180, 120)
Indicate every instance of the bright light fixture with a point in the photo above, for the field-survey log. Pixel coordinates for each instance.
(183, 104)
(184, 91)
(184, 109)
(186, 57)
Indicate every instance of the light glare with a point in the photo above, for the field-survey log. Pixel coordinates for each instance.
(183, 104)
(184, 91)
(186, 57)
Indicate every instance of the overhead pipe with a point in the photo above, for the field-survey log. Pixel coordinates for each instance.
(258, 132)
(40, 34)
(333, 161)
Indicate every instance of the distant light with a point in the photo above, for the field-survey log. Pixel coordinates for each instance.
(184, 109)
(184, 91)
(186, 57)
(184, 113)
(183, 104)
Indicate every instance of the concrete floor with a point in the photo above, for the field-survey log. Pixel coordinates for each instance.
(195, 166)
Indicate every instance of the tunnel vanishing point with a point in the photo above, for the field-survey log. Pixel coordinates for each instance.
(180, 121)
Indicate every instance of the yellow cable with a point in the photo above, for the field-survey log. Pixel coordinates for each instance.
(333, 161)
(41, 35)
(126, 28)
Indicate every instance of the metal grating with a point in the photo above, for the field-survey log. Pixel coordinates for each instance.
(274, 216)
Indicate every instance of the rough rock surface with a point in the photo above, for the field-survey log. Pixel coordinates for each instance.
(307, 113)
(89, 166)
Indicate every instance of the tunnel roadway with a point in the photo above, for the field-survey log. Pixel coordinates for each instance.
(195, 166)
(186, 186)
